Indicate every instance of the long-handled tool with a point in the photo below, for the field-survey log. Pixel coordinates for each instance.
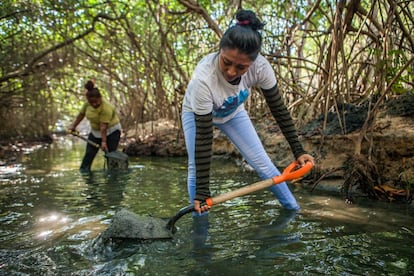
(127, 225)
(289, 173)
(114, 159)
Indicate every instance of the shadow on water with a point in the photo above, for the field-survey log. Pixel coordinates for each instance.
(51, 216)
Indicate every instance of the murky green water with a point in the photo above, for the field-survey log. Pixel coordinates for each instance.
(51, 215)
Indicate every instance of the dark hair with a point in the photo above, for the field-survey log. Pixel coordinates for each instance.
(93, 93)
(244, 35)
(89, 85)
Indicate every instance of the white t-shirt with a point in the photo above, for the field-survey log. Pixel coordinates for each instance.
(208, 91)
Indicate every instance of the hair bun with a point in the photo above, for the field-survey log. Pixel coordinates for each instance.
(249, 18)
(89, 85)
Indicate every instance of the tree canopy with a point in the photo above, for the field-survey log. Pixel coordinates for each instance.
(142, 52)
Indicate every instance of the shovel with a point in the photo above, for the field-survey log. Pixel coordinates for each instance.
(114, 159)
(127, 225)
(289, 173)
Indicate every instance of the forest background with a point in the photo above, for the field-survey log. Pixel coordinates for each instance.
(142, 54)
(326, 55)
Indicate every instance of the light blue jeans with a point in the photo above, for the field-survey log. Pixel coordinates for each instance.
(242, 134)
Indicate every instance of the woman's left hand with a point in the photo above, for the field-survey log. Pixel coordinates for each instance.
(104, 146)
(304, 158)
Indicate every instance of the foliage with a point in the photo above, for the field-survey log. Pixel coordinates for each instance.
(142, 53)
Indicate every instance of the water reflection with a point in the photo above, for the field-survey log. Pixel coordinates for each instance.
(105, 188)
(47, 223)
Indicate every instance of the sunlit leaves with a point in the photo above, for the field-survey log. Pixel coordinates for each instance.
(142, 52)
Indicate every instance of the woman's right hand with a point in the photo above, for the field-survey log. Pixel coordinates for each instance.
(199, 208)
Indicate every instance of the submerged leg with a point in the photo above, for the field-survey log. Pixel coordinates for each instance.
(241, 132)
(90, 154)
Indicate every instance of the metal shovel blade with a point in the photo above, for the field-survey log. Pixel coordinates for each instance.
(128, 225)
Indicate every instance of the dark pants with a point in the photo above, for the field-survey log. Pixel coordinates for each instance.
(112, 142)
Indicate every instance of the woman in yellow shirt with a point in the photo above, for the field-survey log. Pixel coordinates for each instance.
(104, 122)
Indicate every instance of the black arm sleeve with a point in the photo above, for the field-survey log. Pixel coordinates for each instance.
(282, 116)
(203, 152)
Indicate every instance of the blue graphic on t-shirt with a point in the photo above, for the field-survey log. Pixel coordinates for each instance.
(231, 104)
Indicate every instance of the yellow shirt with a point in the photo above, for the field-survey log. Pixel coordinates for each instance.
(105, 113)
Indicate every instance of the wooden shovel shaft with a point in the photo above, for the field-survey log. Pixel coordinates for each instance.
(85, 139)
(96, 145)
(240, 192)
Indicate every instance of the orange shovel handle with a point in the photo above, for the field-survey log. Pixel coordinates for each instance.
(290, 173)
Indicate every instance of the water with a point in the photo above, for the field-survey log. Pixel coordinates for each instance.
(51, 215)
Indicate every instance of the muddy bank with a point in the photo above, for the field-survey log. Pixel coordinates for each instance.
(12, 151)
(388, 146)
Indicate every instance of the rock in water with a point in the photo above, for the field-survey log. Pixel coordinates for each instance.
(128, 225)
